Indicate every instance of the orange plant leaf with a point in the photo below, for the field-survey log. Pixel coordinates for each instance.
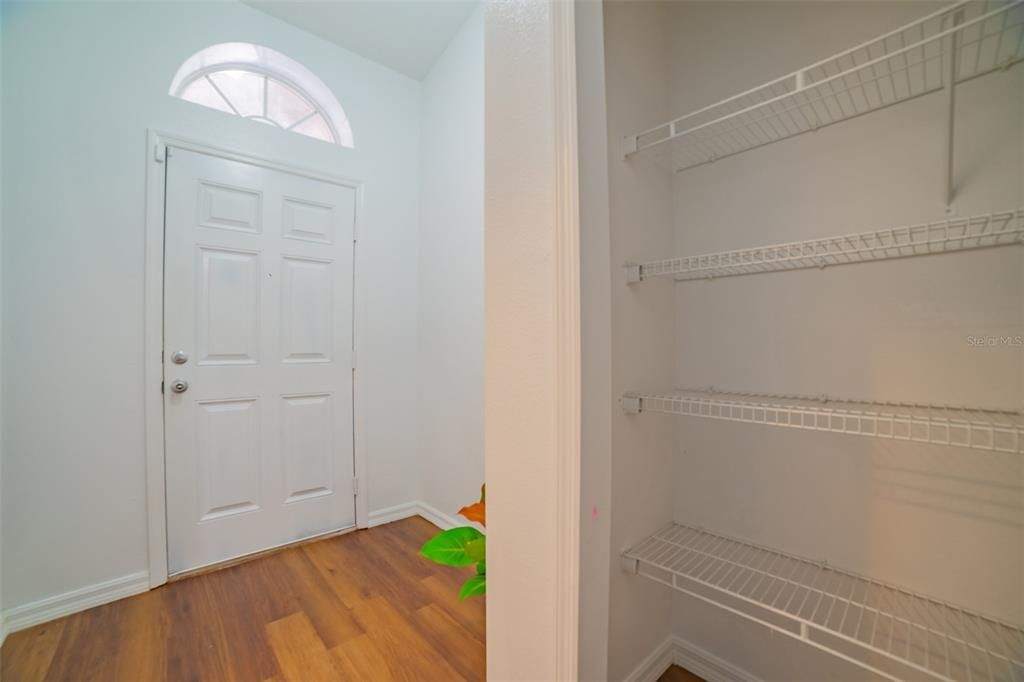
(475, 512)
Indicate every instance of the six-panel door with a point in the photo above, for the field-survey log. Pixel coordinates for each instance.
(258, 299)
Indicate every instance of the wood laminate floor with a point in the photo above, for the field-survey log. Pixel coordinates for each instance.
(361, 606)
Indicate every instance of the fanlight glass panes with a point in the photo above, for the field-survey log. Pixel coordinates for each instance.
(261, 98)
(201, 91)
(263, 85)
(315, 127)
(285, 106)
(243, 90)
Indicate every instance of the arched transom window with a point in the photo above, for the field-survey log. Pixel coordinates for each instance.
(263, 85)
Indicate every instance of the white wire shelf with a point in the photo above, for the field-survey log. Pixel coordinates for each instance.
(958, 234)
(978, 428)
(969, 39)
(888, 630)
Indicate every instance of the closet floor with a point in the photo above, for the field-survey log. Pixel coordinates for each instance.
(361, 606)
(677, 674)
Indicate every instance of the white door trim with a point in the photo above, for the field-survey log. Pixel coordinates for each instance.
(156, 502)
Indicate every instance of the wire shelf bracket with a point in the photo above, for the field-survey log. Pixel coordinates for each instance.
(993, 430)
(1004, 228)
(891, 631)
(949, 47)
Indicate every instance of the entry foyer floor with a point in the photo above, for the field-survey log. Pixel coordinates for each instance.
(361, 606)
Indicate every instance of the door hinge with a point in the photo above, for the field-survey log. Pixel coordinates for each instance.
(160, 153)
(353, 359)
(355, 486)
(161, 387)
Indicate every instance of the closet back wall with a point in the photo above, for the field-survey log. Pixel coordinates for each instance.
(943, 521)
(82, 83)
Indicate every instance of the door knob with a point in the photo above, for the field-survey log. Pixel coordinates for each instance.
(179, 385)
(179, 357)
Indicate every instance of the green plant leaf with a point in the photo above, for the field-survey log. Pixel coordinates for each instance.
(477, 549)
(473, 587)
(449, 547)
(481, 568)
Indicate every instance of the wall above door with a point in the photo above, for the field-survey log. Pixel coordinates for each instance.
(405, 36)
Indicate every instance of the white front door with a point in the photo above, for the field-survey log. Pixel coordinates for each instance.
(257, 358)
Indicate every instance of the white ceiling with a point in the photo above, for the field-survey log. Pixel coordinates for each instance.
(405, 35)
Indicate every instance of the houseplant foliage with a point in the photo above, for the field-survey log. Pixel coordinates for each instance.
(464, 546)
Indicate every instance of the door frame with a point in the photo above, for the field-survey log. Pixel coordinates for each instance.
(532, 394)
(157, 143)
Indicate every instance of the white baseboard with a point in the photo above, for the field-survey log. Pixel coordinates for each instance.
(439, 518)
(704, 664)
(389, 514)
(404, 511)
(655, 663)
(50, 608)
(678, 651)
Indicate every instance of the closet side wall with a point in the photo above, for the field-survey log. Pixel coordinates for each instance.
(3, 630)
(598, 401)
(938, 520)
(637, 44)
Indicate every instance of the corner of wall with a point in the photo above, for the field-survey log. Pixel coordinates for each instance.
(403, 511)
(675, 650)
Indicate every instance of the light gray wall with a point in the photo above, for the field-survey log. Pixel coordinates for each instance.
(3, 631)
(637, 43)
(82, 83)
(938, 520)
(451, 277)
(598, 402)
